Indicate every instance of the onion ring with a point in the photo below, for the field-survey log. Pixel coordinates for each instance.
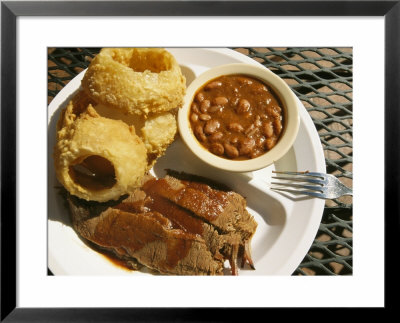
(96, 158)
(135, 80)
(157, 131)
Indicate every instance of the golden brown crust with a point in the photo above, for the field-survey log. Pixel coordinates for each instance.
(159, 132)
(156, 130)
(120, 122)
(92, 135)
(135, 80)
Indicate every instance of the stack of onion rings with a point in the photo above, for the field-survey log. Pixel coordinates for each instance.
(121, 121)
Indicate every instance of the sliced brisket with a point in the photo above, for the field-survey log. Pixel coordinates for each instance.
(226, 211)
(173, 226)
(150, 239)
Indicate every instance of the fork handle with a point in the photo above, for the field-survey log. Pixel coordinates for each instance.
(348, 191)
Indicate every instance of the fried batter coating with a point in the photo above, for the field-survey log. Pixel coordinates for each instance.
(78, 104)
(135, 120)
(157, 131)
(97, 158)
(135, 80)
(116, 127)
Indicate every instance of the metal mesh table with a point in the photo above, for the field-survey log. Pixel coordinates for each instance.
(322, 80)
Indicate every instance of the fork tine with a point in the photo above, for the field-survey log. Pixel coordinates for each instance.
(329, 186)
(314, 194)
(306, 173)
(307, 187)
(300, 179)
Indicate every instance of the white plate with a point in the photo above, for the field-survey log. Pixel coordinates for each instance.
(286, 225)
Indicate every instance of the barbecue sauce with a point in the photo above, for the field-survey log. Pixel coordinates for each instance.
(198, 199)
(132, 231)
(208, 203)
(181, 218)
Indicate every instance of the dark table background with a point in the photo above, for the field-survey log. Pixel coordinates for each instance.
(322, 80)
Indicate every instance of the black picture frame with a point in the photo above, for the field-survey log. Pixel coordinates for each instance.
(10, 10)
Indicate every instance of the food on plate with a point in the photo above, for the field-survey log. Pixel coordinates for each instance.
(156, 130)
(109, 136)
(172, 226)
(77, 105)
(225, 211)
(135, 80)
(97, 158)
(122, 120)
(237, 117)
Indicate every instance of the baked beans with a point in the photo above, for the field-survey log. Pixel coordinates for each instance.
(236, 117)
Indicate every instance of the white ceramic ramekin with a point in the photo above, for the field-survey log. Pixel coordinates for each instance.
(290, 126)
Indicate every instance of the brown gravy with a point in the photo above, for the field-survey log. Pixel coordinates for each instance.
(180, 217)
(129, 231)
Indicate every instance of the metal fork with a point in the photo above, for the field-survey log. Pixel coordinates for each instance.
(325, 186)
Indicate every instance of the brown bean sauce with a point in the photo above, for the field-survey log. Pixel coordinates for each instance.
(237, 117)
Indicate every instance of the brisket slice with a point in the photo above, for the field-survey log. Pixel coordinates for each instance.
(226, 211)
(172, 226)
(196, 178)
(148, 237)
(222, 246)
